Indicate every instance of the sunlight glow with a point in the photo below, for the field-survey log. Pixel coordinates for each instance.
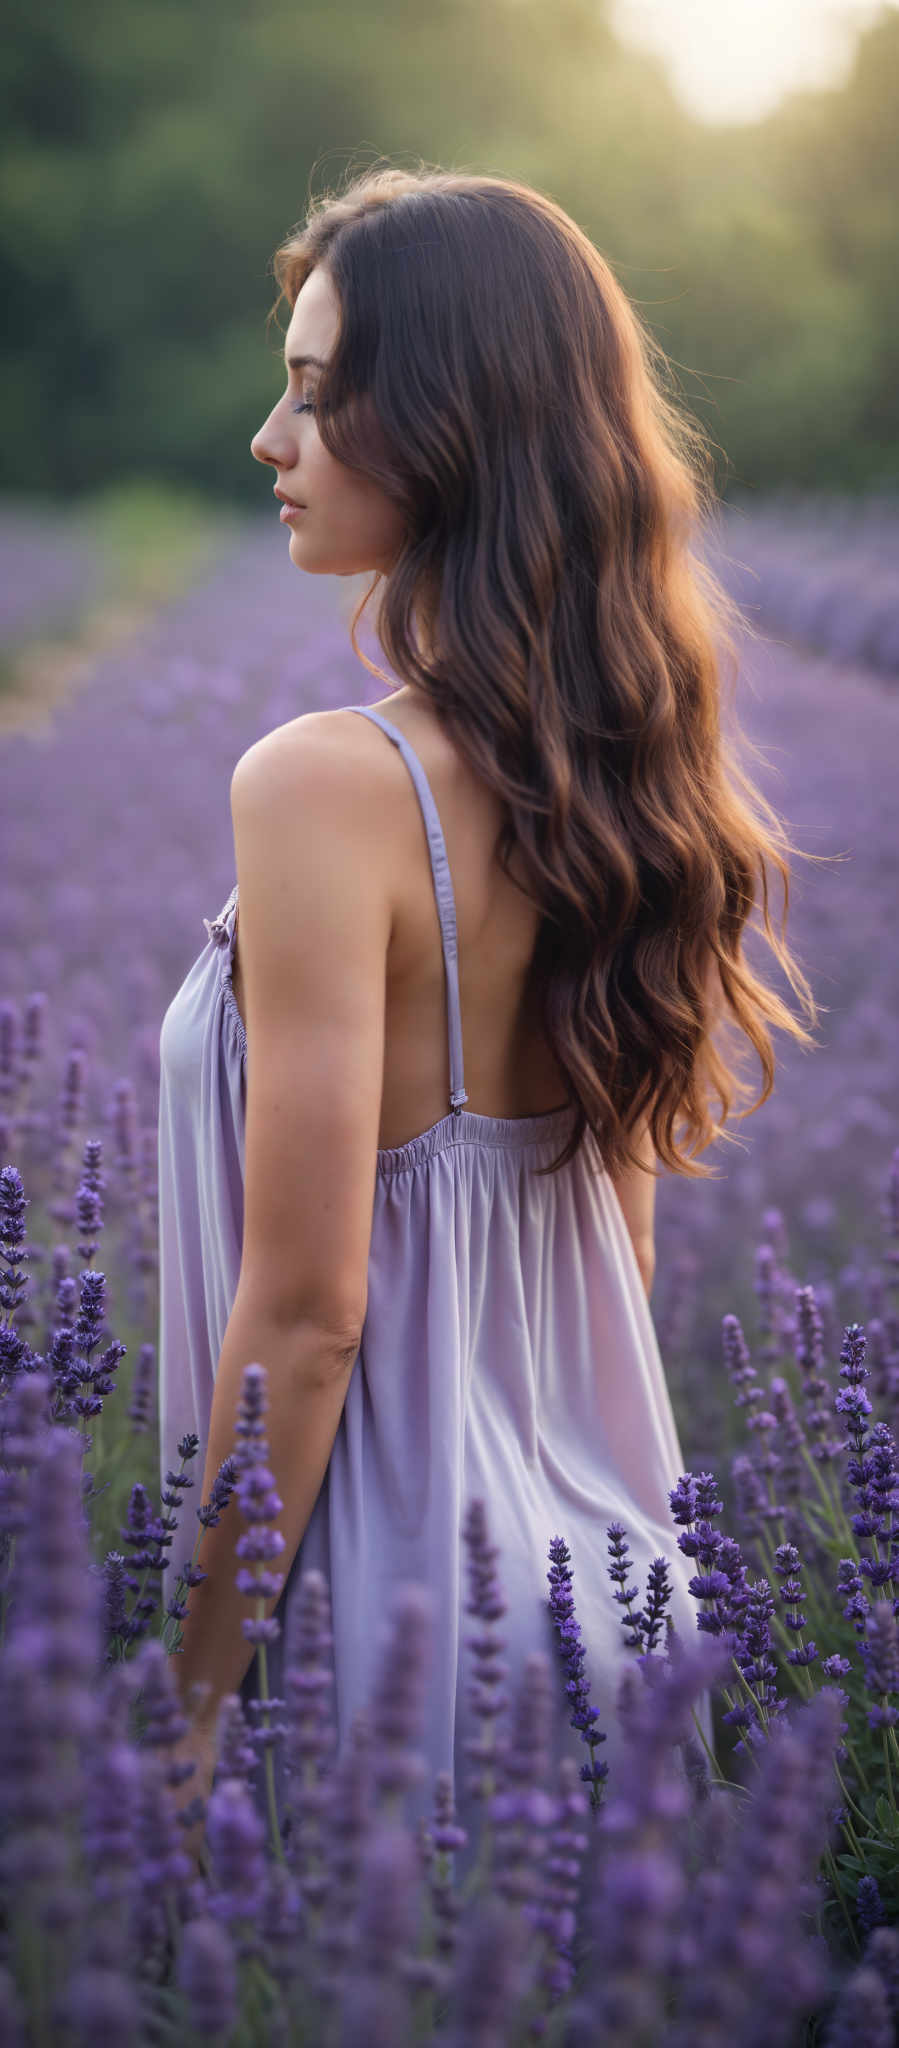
(734, 60)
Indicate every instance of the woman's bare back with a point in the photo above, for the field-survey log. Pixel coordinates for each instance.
(509, 1068)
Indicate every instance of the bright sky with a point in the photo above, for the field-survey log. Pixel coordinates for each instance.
(733, 60)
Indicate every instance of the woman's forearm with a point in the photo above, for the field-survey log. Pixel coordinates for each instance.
(308, 1374)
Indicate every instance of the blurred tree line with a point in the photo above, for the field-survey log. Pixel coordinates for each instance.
(154, 153)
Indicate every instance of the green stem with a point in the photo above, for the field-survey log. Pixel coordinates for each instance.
(269, 1766)
(885, 1732)
(835, 1881)
(834, 1508)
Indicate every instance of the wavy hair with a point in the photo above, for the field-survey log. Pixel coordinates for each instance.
(491, 375)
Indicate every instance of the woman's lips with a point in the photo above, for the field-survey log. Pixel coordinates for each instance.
(289, 512)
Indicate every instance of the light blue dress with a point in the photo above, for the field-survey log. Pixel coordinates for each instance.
(508, 1352)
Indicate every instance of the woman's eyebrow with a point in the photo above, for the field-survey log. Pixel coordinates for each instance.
(300, 362)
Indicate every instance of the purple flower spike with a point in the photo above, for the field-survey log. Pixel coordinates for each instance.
(222, 1488)
(489, 1700)
(752, 1503)
(236, 1834)
(440, 1841)
(577, 1686)
(754, 1957)
(879, 1650)
(144, 1533)
(619, 1571)
(882, 1954)
(657, 1598)
(112, 1804)
(522, 1808)
(862, 2012)
(234, 1742)
(791, 1468)
(555, 1913)
(492, 1974)
(755, 1656)
(99, 2005)
(693, 1501)
(207, 1976)
(788, 1566)
(142, 1389)
(48, 1678)
(13, 1249)
(349, 1813)
(849, 1586)
(26, 1427)
(311, 1734)
(809, 1351)
(376, 2007)
(868, 1904)
(639, 1890)
(398, 1699)
(282, 1927)
(738, 1365)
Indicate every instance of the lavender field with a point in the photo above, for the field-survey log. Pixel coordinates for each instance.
(775, 1300)
(118, 843)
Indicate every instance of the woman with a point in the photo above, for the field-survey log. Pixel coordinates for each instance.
(409, 1116)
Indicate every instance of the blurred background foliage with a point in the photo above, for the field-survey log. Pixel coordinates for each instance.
(154, 154)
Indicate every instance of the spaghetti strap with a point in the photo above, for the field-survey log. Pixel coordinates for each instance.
(443, 890)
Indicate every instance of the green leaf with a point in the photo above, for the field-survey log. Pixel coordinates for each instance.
(886, 1817)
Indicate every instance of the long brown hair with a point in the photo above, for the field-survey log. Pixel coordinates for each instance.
(493, 377)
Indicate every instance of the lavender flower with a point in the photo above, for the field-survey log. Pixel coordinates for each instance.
(23, 1435)
(486, 1604)
(693, 1500)
(752, 1502)
(98, 2004)
(521, 1808)
(492, 1974)
(738, 1365)
(791, 1468)
(849, 1585)
(349, 1816)
(310, 1740)
(235, 1749)
(111, 1808)
(577, 1685)
(222, 1488)
(399, 1694)
(869, 1904)
(142, 1389)
(882, 1954)
(754, 1655)
(438, 1844)
(376, 2005)
(236, 1834)
(862, 2013)
(824, 1446)
(657, 1598)
(619, 1571)
(143, 1533)
(14, 1251)
(788, 1567)
(754, 1961)
(47, 1677)
(259, 1503)
(640, 1889)
(879, 1650)
(207, 1975)
(554, 1911)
